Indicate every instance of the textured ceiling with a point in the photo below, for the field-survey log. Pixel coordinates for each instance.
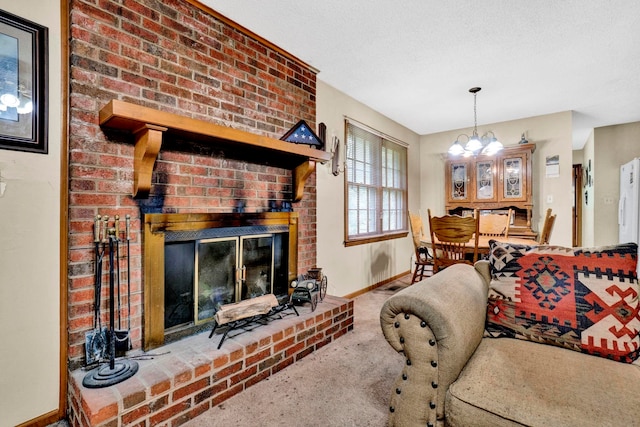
(414, 61)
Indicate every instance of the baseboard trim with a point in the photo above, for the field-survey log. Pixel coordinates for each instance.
(43, 420)
(376, 285)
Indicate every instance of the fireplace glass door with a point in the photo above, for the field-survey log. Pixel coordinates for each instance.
(257, 266)
(204, 274)
(216, 279)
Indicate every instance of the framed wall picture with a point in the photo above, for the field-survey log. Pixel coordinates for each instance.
(23, 84)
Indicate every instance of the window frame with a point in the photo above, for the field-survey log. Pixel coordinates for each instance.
(381, 213)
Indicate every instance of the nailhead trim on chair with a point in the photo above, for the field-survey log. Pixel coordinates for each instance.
(431, 413)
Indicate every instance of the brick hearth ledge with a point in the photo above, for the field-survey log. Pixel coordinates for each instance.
(186, 378)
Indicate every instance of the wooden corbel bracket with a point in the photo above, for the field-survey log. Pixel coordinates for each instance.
(300, 175)
(148, 143)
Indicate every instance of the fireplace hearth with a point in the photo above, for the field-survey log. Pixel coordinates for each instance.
(187, 377)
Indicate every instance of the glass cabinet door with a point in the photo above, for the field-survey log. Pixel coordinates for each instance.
(485, 180)
(513, 173)
(459, 179)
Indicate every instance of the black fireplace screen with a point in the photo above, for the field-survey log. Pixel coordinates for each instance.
(203, 274)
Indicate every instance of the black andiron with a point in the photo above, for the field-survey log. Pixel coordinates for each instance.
(100, 342)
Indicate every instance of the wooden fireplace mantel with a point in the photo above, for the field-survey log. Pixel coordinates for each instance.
(149, 126)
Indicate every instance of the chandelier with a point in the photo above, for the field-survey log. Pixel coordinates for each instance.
(487, 144)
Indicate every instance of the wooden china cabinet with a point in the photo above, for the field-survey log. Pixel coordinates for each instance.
(493, 183)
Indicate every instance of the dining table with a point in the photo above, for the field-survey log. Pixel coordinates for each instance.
(483, 243)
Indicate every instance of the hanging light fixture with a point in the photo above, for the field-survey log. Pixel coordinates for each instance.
(486, 144)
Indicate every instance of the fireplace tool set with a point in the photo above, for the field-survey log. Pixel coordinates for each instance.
(101, 343)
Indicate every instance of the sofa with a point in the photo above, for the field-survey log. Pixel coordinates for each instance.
(465, 365)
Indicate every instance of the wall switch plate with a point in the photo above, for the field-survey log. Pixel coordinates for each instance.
(549, 199)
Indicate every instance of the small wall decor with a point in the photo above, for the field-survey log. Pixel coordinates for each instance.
(588, 176)
(552, 166)
(523, 140)
(23, 83)
(301, 133)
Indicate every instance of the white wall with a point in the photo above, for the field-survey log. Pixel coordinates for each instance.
(552, 135)
(613, 146)
(351, 269)
(30, 253)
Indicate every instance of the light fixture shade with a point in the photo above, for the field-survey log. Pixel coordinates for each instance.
(456, 149)
(474, 144)
(493, 147)
(488, 144)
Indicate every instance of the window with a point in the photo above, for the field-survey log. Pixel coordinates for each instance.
(376, 186)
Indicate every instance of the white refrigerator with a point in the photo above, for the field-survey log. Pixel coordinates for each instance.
(629, 203)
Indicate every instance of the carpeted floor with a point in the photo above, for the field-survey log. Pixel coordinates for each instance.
(347, 383)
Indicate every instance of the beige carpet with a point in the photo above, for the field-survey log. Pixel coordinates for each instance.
(346, 383)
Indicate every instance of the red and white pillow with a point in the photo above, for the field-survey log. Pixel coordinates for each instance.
(584, 299)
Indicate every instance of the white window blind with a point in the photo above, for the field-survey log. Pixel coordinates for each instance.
(376, 181)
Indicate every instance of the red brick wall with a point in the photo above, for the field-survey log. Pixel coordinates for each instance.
(175, 57)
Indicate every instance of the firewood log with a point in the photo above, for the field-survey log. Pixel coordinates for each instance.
(248, 308)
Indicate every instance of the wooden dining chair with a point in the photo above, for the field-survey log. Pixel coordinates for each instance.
(423, 259)
(495, 225)
(547, 228)
(453, 237)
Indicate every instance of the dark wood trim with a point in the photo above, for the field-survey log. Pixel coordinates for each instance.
(44, 419)
(577, 206)
(64, 206)
(247, 32)
(379, 238)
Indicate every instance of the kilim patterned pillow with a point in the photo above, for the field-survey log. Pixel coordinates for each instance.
(584, 299)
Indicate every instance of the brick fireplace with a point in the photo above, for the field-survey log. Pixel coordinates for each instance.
(174, 57)
(180, 58)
